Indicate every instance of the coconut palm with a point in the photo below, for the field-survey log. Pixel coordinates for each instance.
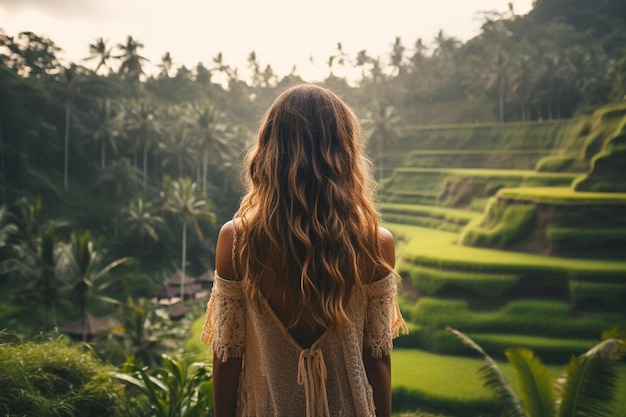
(178, 148)
(166, 65)
(80, 262)
(397, 56)
(104, 124)
(183, 202)
(120, 176)
(213, 134)
(143, 128)
(381, 125)
(70, 82)
(132, 63)
(141, 219)
(37, 270)
(101, 51)
(255, 67)
(33, 255)
(585, 389)
(497, 74)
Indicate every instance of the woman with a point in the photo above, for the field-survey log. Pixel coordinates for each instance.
(304, 306)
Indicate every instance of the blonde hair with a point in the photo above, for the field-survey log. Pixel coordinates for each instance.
(309, 199)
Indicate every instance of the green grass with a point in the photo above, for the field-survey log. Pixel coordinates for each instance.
(444, 213)
(444, 384)
(561, 195)
(55, 379)
(435, 248)
(502, 225)
(610, 295)
(449, 384)
(487, 173)
(530, 317)
(430, 281)
(428, 216)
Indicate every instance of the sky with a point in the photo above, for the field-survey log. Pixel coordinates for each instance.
(282, 33)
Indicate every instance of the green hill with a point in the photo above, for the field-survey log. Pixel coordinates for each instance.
(513, 233)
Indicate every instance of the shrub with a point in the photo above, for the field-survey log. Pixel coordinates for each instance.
(55, 379)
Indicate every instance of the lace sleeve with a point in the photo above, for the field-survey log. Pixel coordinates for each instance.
(225, 323)
(383, 320)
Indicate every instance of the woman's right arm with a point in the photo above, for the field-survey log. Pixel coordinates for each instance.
(225, 374)
(378, 369)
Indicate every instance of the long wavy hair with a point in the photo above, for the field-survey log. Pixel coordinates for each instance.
(308, 211)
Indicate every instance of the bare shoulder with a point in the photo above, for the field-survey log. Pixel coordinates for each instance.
(224, 250)
(388, 245)
(385, 234)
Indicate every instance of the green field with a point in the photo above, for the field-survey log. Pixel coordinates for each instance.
(451, 384)
(434, 247)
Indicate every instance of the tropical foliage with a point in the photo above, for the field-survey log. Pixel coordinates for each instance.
(586, 388)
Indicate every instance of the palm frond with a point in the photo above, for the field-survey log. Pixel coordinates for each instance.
(494, 379)
(590, 381)
(535, 383)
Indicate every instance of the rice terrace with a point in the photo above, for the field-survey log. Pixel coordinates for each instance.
(500, 165)
(513, 251)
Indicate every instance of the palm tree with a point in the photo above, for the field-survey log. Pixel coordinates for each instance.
(254, 65)
(210, 130)
(141, 219)
(381, 125)
(166, 65)
(419, 54)
(585, 389)
(340, 58)
(101, 51)
(362, 59)
(220, 66)
(104, 124)
(81, 263)
(177, 148)
(70, 83)
(132, 63)
(38, 270)
(33, 256)
(397, 56)
(498, 77)
(121, 175)
(445, 45)
(183, 202)
(143, 129)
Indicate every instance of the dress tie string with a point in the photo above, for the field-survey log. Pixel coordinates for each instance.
(312, 376)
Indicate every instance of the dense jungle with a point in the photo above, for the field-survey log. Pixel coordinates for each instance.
(500, 164)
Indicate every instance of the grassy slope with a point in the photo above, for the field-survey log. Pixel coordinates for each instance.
(439, 247)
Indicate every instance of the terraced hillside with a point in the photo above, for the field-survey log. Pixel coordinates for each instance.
(514, 234)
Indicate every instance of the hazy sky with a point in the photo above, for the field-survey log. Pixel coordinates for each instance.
(283, 33)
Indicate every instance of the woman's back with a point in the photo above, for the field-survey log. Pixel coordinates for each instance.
(302, 269)
(277, 287)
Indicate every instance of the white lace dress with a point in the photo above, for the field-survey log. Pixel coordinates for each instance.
(279, 377)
